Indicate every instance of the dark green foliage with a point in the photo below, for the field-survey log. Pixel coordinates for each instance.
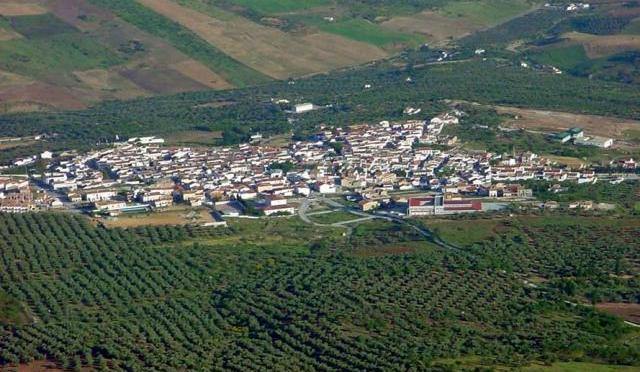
(528, 27)
(38, 26)
(625, 195)
(485, 82)
(594, 24)
(481, 128)
(144, 300)
(11, 311)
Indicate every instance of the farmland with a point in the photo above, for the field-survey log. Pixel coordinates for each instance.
(201, 301)
(117, 49)
(280, 6)
(486, 12)
(270, 51)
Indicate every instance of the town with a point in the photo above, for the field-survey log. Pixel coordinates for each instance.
(398, 168)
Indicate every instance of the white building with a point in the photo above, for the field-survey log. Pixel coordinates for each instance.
(303, 107)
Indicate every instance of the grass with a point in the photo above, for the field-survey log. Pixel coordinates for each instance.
(43, 25)
(632, 135)
(565, 160)
(280, 6)
(59, 53)
(566, 221)
(578, 367)
(486, 12)
(464, 232)
(194, 137)
(11, 311)
(365, 31)
(333, 217)
(563, 57)
(633, 27)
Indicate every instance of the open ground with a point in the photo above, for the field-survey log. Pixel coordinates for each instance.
(627, 311)
(597, 46)
(268, 50)
(170, 217)
(554, 121)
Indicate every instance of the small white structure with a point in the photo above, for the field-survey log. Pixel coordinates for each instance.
(303, 107)
(46, 155)
(601, 142)
(327, 188)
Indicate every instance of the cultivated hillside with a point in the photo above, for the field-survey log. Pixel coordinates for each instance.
(69, 54)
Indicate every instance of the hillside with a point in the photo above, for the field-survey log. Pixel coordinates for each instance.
(69, 54)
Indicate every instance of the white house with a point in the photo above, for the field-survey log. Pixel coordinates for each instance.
(303, 107)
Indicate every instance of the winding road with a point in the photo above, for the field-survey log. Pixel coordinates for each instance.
(364, 216)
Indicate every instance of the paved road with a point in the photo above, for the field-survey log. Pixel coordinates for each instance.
(427, 234)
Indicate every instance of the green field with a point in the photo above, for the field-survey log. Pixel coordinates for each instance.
(333, 217)
(56, 54)
(51, 46)
(633, 27)
(561, 57)
(11, 311)
(365, 31)
(280, 6)
(485, 12)
(38, 26)
(462, 232)
(579, 367)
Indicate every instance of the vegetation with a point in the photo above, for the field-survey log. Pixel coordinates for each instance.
(485, 12)
(623, 195)
(280, 6)
(561, 57)
(184, 40)
(366, 31)
(492, 83)
(51, 46)
(184, 298)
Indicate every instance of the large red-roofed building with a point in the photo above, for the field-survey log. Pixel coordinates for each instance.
(432, 205)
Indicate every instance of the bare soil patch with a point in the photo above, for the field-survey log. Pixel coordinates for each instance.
(170, 217)
(110, 84)
(553, 121)
(36, 366)
(434, 26)
(38, 95)
(598, 46)
(200, 73)
(628, 312)
(193, 136)
(8, 34)
(162, 81)
(574, 163)
(80, 14)
(268, 50)
(17, 8)
(9, 78)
